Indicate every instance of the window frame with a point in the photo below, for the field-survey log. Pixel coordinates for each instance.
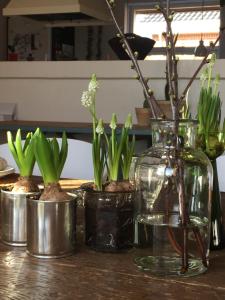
(177, 5)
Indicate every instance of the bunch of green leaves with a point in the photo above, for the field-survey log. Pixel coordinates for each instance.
(210, 133)
(111, 151)
(120, 150)
(49, 156)
(98, 152)
(22, 154)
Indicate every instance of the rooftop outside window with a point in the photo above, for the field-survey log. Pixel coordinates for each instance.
(191, 25)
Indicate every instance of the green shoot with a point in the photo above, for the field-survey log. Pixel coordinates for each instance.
(50, 158)
(23, 155)
(120, 150)
(128, 150)
(98, 155)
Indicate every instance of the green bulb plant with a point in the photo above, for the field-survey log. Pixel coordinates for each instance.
(51, 159)
(211, 135)
(112, 151)
(211, 138)
(25, 160)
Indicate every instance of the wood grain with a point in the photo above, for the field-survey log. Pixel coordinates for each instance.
(98, 276)
(66, 184)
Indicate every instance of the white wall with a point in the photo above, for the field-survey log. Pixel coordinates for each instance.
(52, 90)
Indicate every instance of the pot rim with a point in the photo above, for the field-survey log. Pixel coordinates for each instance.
(51, 201)
(110, 193)
(3, 189)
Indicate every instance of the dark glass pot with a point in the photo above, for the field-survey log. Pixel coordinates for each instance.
(109, 220)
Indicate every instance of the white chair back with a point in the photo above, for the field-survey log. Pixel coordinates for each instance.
(78, 164)
(220, 161)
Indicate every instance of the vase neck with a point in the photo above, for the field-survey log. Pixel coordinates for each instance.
(168, 134)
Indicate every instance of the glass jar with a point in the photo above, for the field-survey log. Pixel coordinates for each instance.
(173, 202)
(109, 220)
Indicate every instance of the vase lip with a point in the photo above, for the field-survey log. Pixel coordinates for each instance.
(156, 120)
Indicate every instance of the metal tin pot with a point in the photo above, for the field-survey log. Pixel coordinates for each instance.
(51, 228)
(14, 217)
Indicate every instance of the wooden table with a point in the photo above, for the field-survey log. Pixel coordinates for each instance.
(97, 276)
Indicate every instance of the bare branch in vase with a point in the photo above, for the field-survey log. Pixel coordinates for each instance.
(156, 111)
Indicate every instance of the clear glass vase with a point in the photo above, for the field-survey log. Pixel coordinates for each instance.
(173, 202)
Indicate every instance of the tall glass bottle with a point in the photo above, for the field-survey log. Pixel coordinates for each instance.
(217, 230)
(173, 203)
(212, 144)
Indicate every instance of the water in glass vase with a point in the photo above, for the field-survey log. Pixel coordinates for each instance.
(162, 252)
(173, 203)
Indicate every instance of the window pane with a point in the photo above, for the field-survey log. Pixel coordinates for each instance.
(191, 26)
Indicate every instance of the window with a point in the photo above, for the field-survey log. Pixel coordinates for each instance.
(191, 22)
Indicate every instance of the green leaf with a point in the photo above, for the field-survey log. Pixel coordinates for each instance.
(44, 157)
(55, 152)
(23, 156)
(63, 154)
(13, 149)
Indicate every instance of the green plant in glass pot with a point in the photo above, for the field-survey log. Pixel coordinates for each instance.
(211, 139)
(111, 199)
(13, 199)
(51, 216)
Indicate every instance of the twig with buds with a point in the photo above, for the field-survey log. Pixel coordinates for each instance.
(176, 105)
(156, 111)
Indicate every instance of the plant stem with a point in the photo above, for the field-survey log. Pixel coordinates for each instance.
(183, 215)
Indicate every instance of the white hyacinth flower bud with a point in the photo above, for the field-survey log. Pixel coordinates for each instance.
(100, 127)
(93, 85)
(128, 122)
(113, 123)
(87, 99)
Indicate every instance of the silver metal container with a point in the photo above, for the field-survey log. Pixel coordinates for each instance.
(14, 218)
(51, 228)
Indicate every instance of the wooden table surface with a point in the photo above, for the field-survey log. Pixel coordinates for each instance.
(97, 276)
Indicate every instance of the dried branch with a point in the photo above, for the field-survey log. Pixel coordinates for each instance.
(176, 104)
(172, 60)
(156, 111)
